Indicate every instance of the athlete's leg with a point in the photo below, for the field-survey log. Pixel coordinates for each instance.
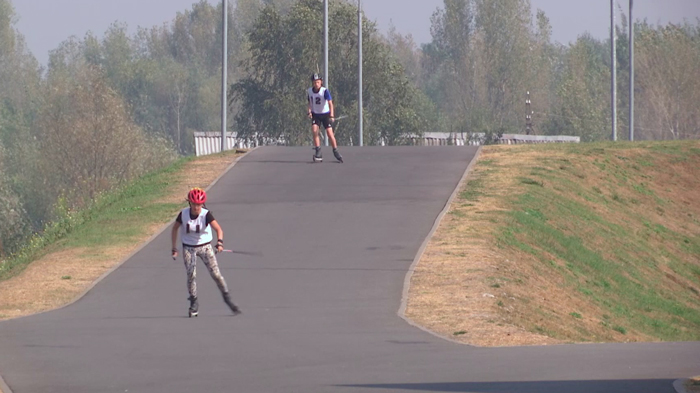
(331, 137)
(317, 138)
(209, 259)
(189, 254)
(317, 141)
(210, 262)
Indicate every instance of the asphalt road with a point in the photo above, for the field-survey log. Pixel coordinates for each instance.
(319, 305)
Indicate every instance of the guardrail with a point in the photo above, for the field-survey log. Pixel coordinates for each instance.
(210, 142)
(443, 139)
(512, 139)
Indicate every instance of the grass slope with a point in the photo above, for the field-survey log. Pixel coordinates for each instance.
(585, 242)
(115, 219)
(62, 263)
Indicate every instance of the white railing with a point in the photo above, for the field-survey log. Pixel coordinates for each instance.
(512, 139)
(210, 142)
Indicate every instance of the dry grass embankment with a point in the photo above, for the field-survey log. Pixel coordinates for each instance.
(568, 243)
(71, 266)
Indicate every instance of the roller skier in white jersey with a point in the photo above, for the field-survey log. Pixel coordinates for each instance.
(194, 224)
(321, 112)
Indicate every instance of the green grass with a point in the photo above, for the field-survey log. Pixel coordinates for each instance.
(115, 218)
(457, 213)
(473, 189)
(611, 264)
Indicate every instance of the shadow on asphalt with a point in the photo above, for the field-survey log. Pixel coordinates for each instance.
(597, 386)
(185, 316)
(286, 162)
(273, 161)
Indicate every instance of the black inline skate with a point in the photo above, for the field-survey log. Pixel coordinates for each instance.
(194, 307)
(234, 308)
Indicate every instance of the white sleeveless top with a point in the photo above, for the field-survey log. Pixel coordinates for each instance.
(195, 232)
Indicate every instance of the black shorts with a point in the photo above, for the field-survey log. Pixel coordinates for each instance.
(321, 119)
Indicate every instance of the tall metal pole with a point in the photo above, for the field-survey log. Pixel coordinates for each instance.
(325, 53)
(359, 66)
(631, 73)
(224, 69)
(613, 71)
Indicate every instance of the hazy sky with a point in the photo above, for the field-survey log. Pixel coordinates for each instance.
(46, 23)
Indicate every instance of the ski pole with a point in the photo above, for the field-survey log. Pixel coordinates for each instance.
(253, 253)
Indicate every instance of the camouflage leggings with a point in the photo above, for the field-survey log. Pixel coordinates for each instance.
(205, 252)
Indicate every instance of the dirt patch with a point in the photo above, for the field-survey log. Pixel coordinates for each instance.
(59, 277)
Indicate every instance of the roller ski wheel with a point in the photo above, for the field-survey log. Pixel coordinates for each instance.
(194, 307)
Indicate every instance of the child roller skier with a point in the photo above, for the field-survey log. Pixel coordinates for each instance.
(195, 223)
(321, 113)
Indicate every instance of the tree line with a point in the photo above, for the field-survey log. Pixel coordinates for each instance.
(486, 55)
(106, 109)
(286, 48)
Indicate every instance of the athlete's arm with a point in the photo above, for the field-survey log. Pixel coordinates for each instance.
(176, 227)
(308, 99)
(329, 99)
(219, 235)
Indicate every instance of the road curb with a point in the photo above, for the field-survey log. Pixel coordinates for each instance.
(679, 385)
(409, 274)
(3, 386)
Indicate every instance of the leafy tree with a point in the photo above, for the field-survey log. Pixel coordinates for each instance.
(667, 88)
(544, 62)
(168, 75)
(407, 53)
(20, 77)
(447, 64)
(89, 143)
(20, 98)
(583, 99)
(286, 49)
(484, 57)
(16, 227)
(504, 40)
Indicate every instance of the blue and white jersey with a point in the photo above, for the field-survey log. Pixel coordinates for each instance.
(319, 101)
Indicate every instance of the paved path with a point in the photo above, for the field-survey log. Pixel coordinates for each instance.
(320, 305)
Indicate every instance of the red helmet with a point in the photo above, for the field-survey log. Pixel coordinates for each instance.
(197, 195)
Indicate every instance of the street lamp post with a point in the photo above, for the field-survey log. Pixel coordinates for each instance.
(325, 54)
(613, 71)
(224, 68)
(359, 69)
(631, 49)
